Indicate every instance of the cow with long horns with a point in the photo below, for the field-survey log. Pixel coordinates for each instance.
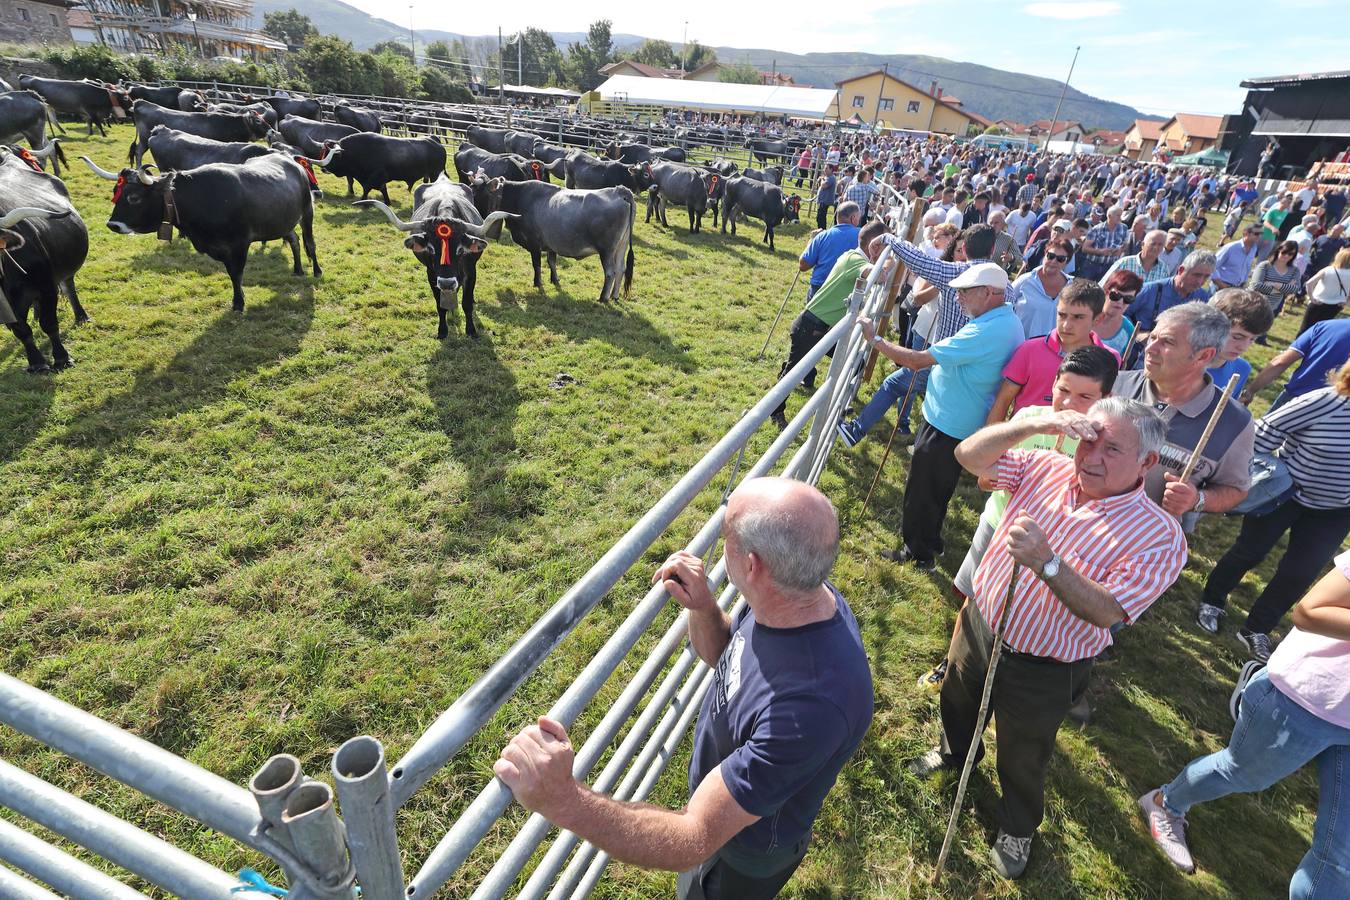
(221, 208)
(561, 222)
(43, 243)
(447, 235)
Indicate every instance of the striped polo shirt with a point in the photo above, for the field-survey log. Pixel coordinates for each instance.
(1312, 433)
(1127, 544)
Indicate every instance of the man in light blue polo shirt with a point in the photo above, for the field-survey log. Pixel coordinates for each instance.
(824, 250)
(1233, 263)
(968, 368)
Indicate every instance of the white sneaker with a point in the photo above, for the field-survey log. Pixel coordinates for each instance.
(1168, 831)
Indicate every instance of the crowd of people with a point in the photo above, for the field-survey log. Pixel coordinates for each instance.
(1060, 336)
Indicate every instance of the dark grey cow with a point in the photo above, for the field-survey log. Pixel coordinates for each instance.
(682, 185)
(175, 150)
(469, 160)
(217, 126)
(374, 160)
(768, 175)
(295, 106)
(764, 150)
(641, 153)
(521, 143)
(92, 101)
(549, 153)
(161, 96)
(562, 222)
(447, 235)
(492, 140)
(221, 208)
(762, 201)
(268, 114)
(23, 114)
(191, 101)
(310, 135)
(358, 118)
(43, 243)
(586, 171)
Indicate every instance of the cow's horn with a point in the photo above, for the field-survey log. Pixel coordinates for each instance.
(490, 227)
(332, 152)
(101, 173)
(143, 173)
(47, 151)
(390, 215)
(15, 216)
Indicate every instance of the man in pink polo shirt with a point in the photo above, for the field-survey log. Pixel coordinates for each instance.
(1294, 711)
(1029, 376)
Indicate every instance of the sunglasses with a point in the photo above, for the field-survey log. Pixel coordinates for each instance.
(1120, 295)
(1056, 257)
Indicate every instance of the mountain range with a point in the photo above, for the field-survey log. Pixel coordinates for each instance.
(993, 93)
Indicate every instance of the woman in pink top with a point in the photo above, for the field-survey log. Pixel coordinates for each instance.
(1295, 711)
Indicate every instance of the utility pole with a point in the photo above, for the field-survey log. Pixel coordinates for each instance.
(520, 56)
(501, 70)
(1062, 92)
(412, 40)
(684, 47)
(885, 73)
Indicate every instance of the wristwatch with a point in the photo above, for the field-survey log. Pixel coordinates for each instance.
(1199, 502)
(876, 339)
(1051, 567)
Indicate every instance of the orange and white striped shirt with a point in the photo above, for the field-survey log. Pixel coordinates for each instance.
(1127, 544)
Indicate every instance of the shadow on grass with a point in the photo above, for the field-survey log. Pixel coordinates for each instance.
(476, 400)
(25, 401)
(584, 320)
(201, 372)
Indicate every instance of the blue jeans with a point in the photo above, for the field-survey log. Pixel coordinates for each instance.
(1275, 737)
(892, 391)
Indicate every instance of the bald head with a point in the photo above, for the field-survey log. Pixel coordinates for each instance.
(790, 526)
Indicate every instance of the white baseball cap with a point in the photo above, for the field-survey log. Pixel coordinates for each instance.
(1061, 225)
(982, 275)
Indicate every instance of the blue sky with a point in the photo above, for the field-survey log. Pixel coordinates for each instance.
(1160, 56)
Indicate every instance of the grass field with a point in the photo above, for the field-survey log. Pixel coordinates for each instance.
(238, 535)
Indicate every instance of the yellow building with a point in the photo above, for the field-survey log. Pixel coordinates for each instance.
(882, 99)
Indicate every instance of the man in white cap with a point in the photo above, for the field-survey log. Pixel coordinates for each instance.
(968, 369)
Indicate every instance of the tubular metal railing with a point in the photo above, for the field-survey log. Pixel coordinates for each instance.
(292, 819)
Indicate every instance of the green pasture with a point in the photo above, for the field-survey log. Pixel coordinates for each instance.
(244, 534)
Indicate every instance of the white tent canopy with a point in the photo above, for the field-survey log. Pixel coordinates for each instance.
(807, 103)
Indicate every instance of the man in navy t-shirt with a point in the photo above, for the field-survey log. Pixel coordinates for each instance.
(789, 702)
(824, 250)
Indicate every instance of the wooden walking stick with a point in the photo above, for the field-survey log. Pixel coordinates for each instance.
(1209, 427)
(994, 654)
(899, 419)
(776, 318)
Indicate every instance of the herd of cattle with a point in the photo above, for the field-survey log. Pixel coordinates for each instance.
(224, 191)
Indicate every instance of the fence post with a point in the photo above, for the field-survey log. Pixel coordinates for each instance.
(317, 834)
(368, 812)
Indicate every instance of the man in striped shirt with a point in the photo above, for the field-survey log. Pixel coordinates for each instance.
(1095, 552)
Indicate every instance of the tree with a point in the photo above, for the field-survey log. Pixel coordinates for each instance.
(533, 57)
(584, 60)
(451, 57)
(739, 73)
(696, 54)
(655, 53)
(331, 65)
(291, 26)
(398, 48)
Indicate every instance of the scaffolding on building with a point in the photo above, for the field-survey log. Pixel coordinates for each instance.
(205, 27)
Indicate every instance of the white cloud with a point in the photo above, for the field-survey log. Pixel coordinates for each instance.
(1095, 9)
